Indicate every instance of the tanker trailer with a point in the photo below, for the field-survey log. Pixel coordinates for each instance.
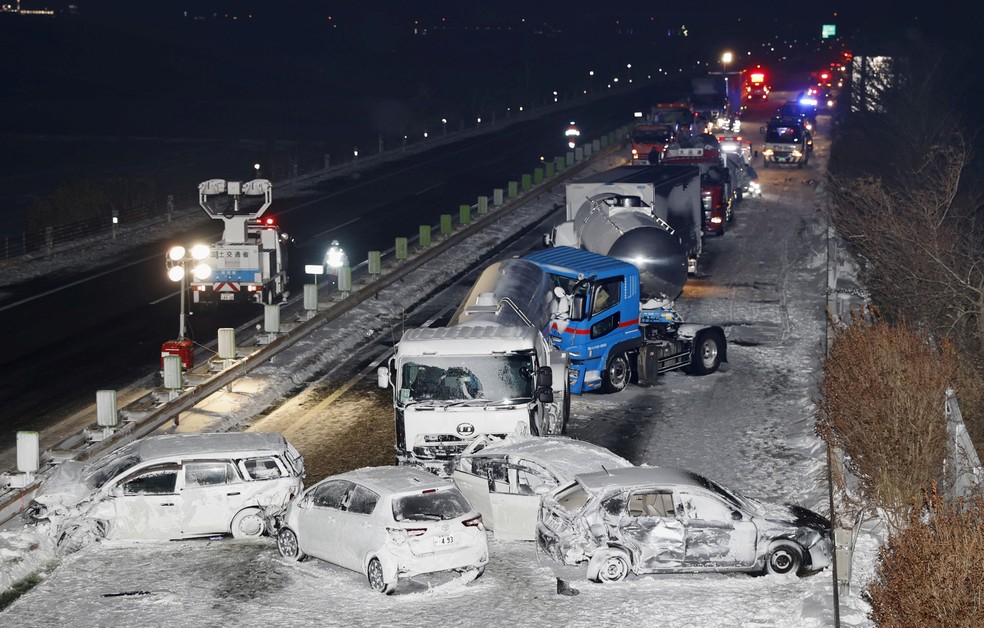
(648, 216)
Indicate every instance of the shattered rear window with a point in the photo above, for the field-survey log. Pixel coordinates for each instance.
(432, 506)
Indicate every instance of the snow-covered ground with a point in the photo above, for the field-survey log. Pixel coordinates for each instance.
(750, 426)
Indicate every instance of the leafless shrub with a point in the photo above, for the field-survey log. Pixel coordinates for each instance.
(929, 573)
(882, 405)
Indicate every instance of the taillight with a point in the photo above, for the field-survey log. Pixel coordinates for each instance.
(474, 522)
(415, 531)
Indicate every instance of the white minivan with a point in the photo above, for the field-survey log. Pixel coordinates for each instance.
(171, 487)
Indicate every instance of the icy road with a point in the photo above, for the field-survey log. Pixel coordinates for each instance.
(750, 426)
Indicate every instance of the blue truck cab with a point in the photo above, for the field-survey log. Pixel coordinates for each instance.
(611, 336)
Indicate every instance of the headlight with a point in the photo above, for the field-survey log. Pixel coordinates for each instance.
(767, 152)
(797, 153)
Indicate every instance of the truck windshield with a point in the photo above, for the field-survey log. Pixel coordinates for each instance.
(488, 378)
(652, 136)
(682, 117)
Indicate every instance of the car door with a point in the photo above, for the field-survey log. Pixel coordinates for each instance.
(718, 534)
(317, 532)
(357, 533)
(211, 495)
(514, 511)
(647, 526)
(480, 479)
(147, 504)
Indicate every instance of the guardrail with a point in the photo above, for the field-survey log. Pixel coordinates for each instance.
(146, 414)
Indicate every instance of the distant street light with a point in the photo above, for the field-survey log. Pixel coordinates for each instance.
(628, 67)
(178, 261)
(444, 125)
(726, 58)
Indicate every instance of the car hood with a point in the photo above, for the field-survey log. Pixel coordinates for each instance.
(65, 487)
(791, 515)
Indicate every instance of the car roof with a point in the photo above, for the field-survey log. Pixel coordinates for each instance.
(216, 443)
(640, 476)
(563, 456)
(390, 480)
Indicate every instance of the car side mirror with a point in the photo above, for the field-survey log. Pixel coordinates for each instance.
(382, 377)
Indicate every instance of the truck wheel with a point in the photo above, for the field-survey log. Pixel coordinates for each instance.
(616, 374)
(705, 358)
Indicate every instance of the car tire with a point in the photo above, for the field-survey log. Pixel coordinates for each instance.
(377, 582)
(288, 546)
(706, 356)
(784, 558)
(617, 373)
(248, 524)
(611, 565)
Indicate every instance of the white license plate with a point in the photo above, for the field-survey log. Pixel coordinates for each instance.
(227, 296)
(444, 539)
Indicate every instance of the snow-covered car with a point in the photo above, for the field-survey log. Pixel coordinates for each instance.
(386, 522)
(654, 520)
(505, 479)
(171, 487)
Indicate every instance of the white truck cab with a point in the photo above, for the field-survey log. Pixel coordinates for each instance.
(453, 384)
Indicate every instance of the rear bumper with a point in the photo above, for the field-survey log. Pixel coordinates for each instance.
(470, 557)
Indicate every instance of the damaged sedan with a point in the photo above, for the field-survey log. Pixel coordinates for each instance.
(504, 479)
(660, 520)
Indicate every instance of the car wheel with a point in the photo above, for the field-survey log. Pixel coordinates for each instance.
(706, 356)
(248, 524)
(617, 373)
(609, 566)
(288, 545)
(783, 559)
(377, 581)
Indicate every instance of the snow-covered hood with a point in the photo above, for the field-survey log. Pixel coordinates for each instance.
(65, 487)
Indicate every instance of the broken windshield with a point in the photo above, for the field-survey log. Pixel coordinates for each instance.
(488, 378)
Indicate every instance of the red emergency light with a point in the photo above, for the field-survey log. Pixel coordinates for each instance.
(758, 77)
(269, 221)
